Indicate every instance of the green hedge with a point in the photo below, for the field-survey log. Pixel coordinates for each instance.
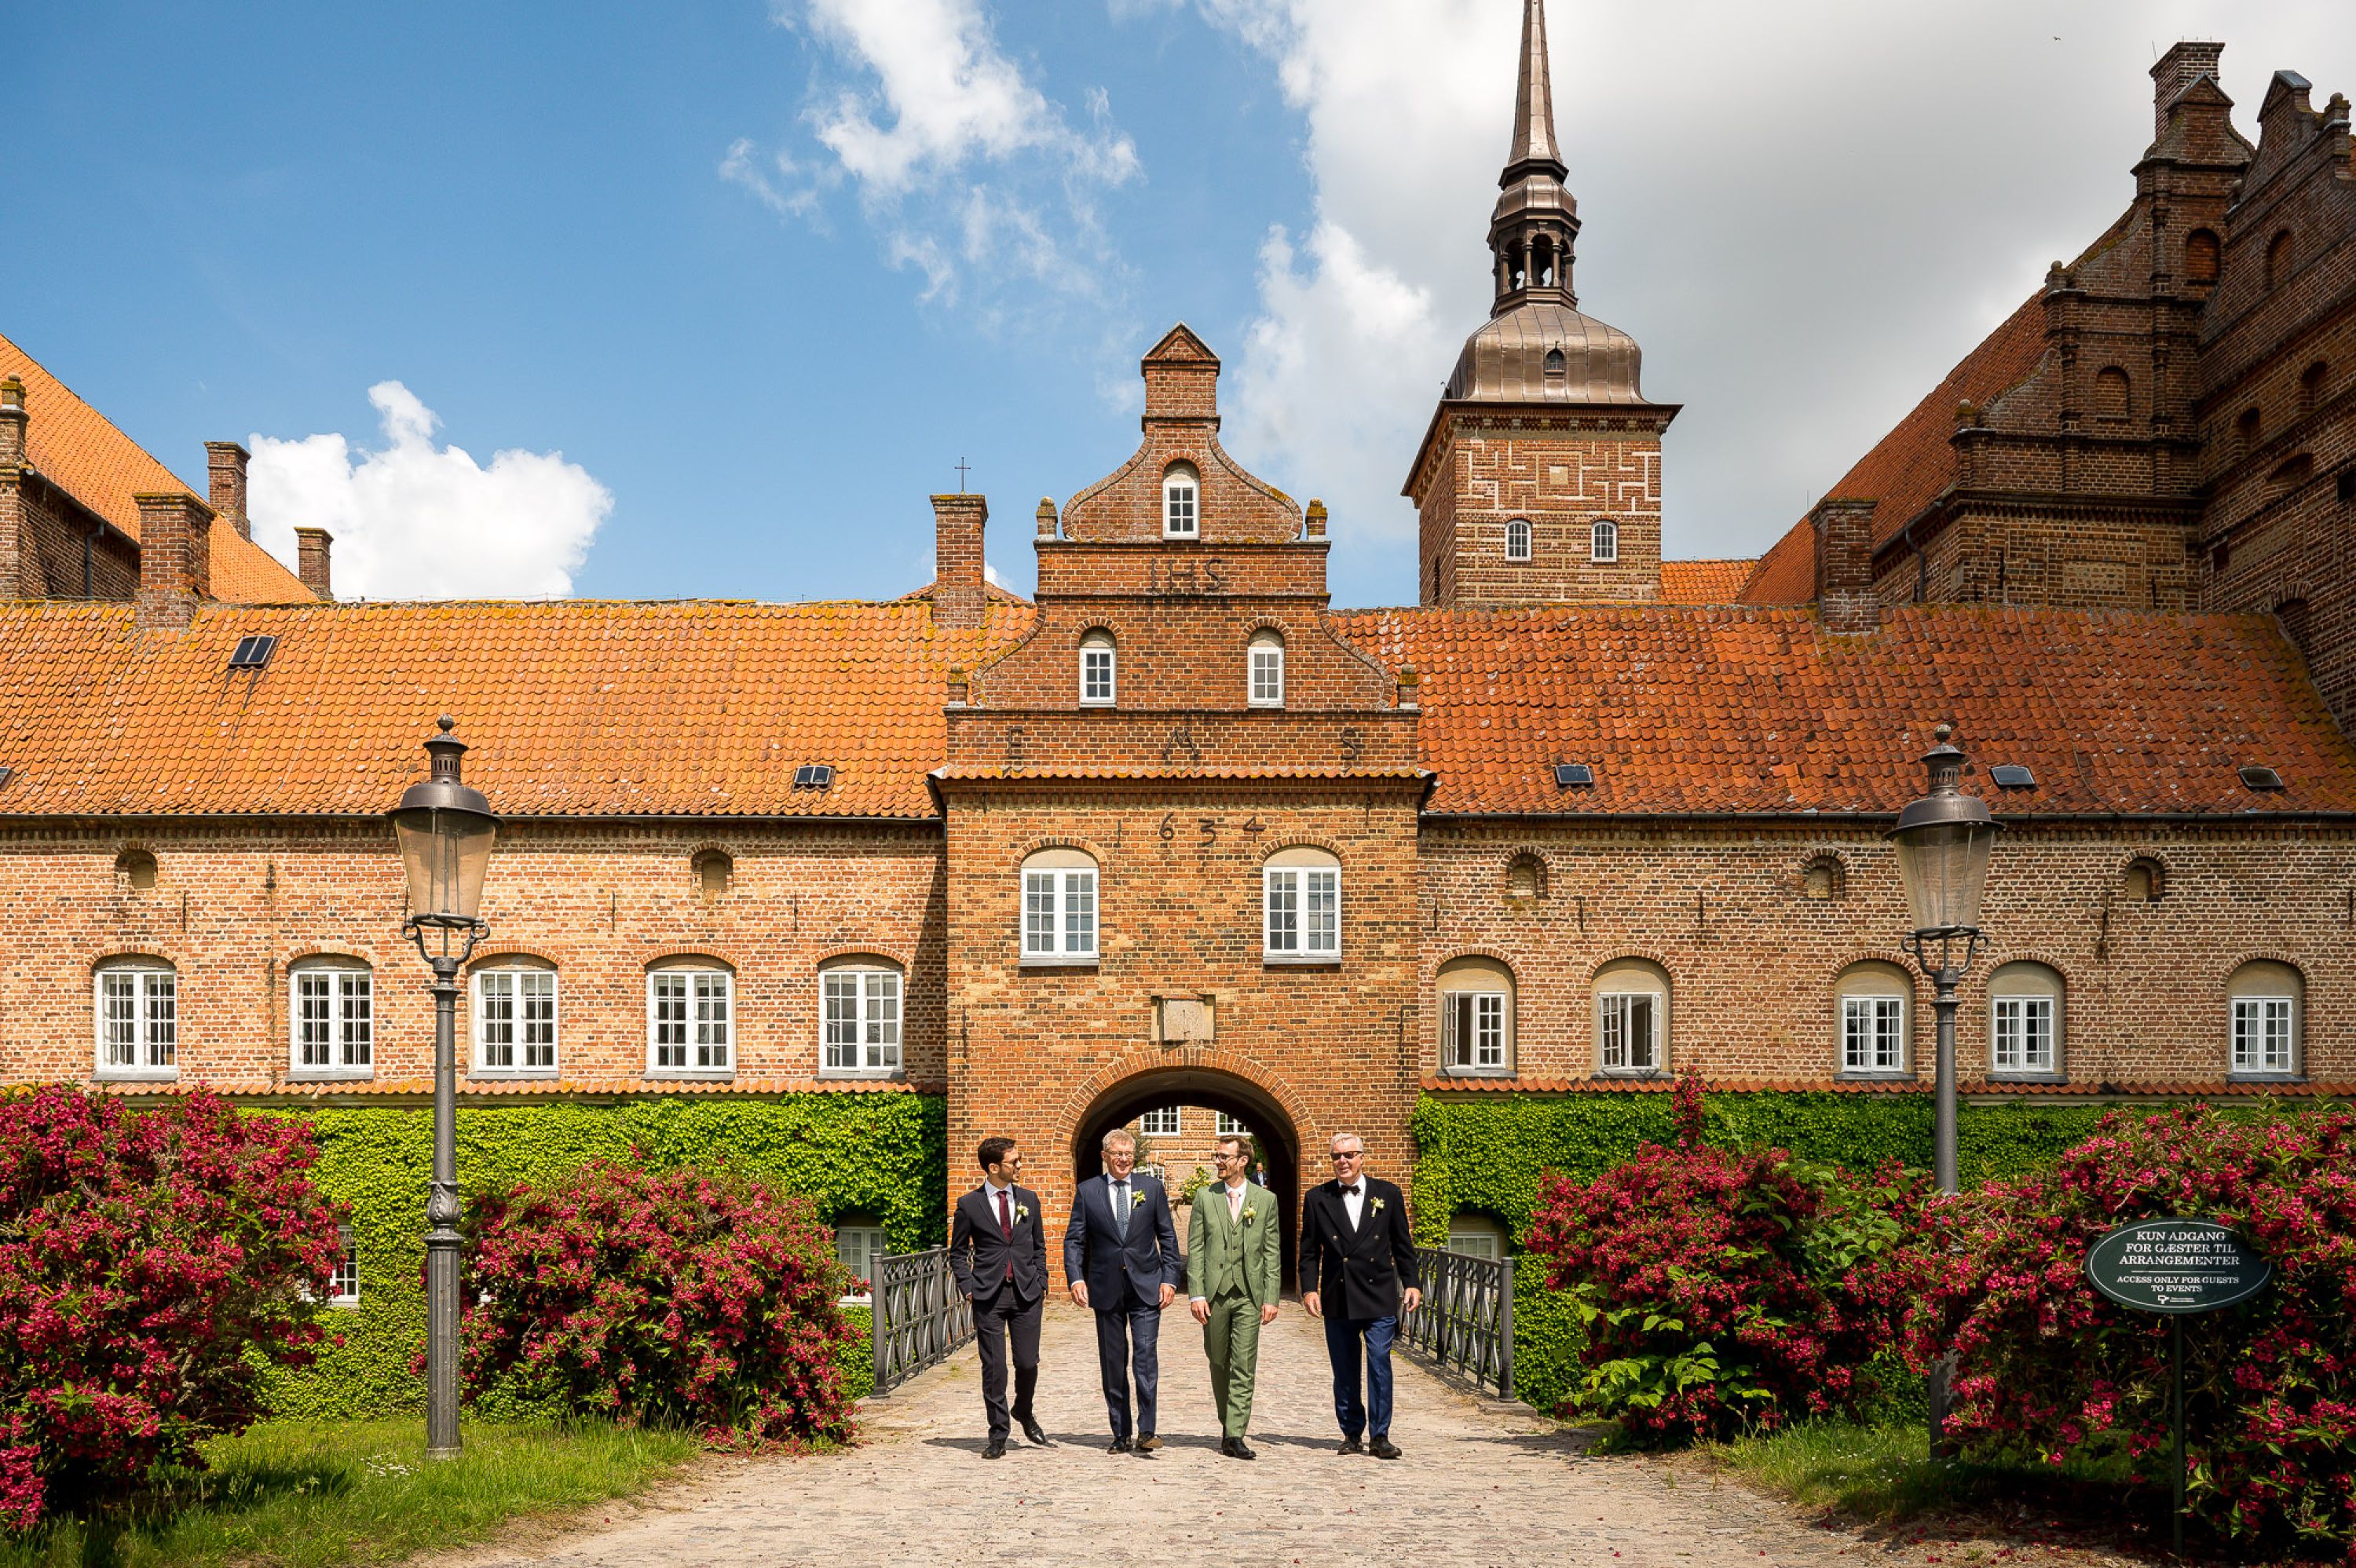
(881, 1155)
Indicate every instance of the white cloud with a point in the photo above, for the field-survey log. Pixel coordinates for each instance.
(413, 521)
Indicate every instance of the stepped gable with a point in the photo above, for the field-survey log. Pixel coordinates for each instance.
(577, 708)
(80, 452)
(1760, 710)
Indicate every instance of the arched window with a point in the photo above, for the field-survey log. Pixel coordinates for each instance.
(1603, 540)
(1632, 1019)
(713, 872)
(137, 1005)
(2247, 432)
(859, 1017)
(515, 1018)
(2279, 255)
(1823, 879)
(1265, 670)
(1477, 1235)
(1059, 908)
(1555, 364)
(2025, 1018)
(1869, 1021)
(1517, 539)
(1525, 877)
(2146, 881)
(1182, 516)
(136, 870)
(2310, 386)
(1300, 893)
(1096, 672)
(331, 1008)
(1476, 1017)
(2265, 1003)
(859, 1248)
(2200, 252)
(691, 1019)
(2111, 393)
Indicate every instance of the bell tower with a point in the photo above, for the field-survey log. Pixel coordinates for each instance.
(1539, 479)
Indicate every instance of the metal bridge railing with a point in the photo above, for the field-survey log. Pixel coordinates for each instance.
(920, 1318)
(1466, 1321)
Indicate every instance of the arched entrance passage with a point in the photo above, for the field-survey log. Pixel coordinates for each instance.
(1279, 1140)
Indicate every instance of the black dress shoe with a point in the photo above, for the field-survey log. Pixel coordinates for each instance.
(1351, 1446)
(994, 1449)
(1117, 1445)
(1383, 1448)
(1034, 1432)
(1233, 1448)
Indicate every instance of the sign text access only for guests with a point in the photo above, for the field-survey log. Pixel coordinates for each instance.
(2175, 1266)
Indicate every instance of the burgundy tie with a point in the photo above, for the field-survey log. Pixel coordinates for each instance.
(1006, 1229)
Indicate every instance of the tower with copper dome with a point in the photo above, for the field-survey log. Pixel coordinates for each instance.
(1539, 479)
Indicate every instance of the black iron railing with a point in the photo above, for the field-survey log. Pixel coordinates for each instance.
(920, 1318)
(1466, 1321)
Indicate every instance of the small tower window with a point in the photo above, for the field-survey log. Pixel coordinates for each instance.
(1267, 670)
(1603, 542)
(1180, 506)
(2200, 257)
(2111, 396)
(2246, 431)
(1517, 539)
(1096, 669)
(2310, 387)
(2279, 255)
(2146, 882)
(1555, 364)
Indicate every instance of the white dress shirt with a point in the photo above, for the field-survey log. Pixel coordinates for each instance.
(1353, 1199)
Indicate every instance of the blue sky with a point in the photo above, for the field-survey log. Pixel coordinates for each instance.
(763, 276)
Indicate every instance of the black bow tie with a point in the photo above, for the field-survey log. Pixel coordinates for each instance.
(1350, 1191)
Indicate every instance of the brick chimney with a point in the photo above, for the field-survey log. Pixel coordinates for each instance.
(958, 522)
(1182, 379)
(2178, 69)
(175, 559)
(13, 418)
(20, 560)
(311, 546)
(1845, 599)
(225, 464)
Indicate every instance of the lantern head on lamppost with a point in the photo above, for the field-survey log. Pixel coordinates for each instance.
(1943, 840)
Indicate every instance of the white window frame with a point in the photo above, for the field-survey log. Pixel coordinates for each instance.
(868, 1244)
(2024, 1035)
(1300, 914)
(1615, 1017)
(1603, 542)
(506, 1001)
(152, 992)
(704, 1020)
(1171, 1124)
(1476, 1032)
(2262, 1018)
(1065, 896)
(1227, 1126)
(1098, 647)
(346, 1041)
(1476, 1236)
(1870, 1018)
(344, 1284)
(864, 1040)
(1182, 504)
(1518, 540)
(1264, 670)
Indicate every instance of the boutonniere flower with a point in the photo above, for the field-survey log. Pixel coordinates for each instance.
(1023, 1211)
(1137, 1200)
(1379, 1205)
(1250, 1215)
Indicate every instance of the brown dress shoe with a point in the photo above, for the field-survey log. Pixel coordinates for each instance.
(1147, 1443)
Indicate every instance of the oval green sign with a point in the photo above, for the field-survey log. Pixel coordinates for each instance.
(2175, 1266)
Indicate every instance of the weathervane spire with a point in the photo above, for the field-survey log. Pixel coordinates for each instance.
(1534, 142)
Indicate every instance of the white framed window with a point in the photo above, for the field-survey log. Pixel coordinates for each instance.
(1059, 908)
(2264, 1020)
(1632, 1019)
(1476, 1235)
(331, 1013)
(1182, 514)
(1476, 1016)
(344, 1285)
(859, 1026)
(1097, 673)
(1603, 542)
(859, 1247)
(1231, 1127)
(2024, 1021)
(1517, 539)
(515, 1020)
(1869, 1021)
(1302, 904)
(690, 1021)
(137, 1004)
(1266, 670)
(1163, 1122)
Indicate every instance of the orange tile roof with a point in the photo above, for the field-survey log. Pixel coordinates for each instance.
(1755, 709)
(1910, 467)
(1703, 582)
(80, 450)
(573, 708)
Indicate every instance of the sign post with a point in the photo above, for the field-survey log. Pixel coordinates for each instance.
(2179, 1267)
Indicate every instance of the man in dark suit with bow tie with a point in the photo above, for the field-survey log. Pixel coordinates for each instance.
(998, 1251)
(1120, 1254)
(1357, 1268)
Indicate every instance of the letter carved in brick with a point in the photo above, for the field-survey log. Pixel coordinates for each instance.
(1181, 744)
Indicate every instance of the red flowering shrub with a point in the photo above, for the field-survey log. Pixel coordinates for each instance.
(1722, 1290)
(2045, 1366)
(153, 1264)
(679, 1298)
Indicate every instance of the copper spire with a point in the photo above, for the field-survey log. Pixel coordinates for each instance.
(1534, 143)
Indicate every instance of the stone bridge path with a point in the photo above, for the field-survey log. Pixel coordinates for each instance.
(1480, 1483)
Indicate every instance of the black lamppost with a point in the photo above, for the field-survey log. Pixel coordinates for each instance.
(446, 831)
(1943, 840)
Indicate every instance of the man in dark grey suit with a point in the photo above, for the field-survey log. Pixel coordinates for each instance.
(1120, 1253)
(998, 1251)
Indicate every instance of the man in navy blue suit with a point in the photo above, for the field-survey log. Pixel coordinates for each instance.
(1120, 1253)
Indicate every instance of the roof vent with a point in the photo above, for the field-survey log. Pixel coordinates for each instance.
(2258, 778)
(2012, 776)
(814, 775)
(253, 652)
(1573, 775)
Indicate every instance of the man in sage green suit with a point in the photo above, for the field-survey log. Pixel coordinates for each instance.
(1235, 1273)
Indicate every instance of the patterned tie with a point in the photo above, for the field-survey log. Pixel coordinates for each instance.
(1121, 1207)
(1006, 1229)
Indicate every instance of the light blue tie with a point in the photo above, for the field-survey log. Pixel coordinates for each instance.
(1121, 1208)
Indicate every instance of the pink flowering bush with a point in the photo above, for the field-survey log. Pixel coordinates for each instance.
(680, 1298)
(154, 1264)
(1722, 1291)
(2046, 1367)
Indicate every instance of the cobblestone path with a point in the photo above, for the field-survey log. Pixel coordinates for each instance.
(1481, 1484)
